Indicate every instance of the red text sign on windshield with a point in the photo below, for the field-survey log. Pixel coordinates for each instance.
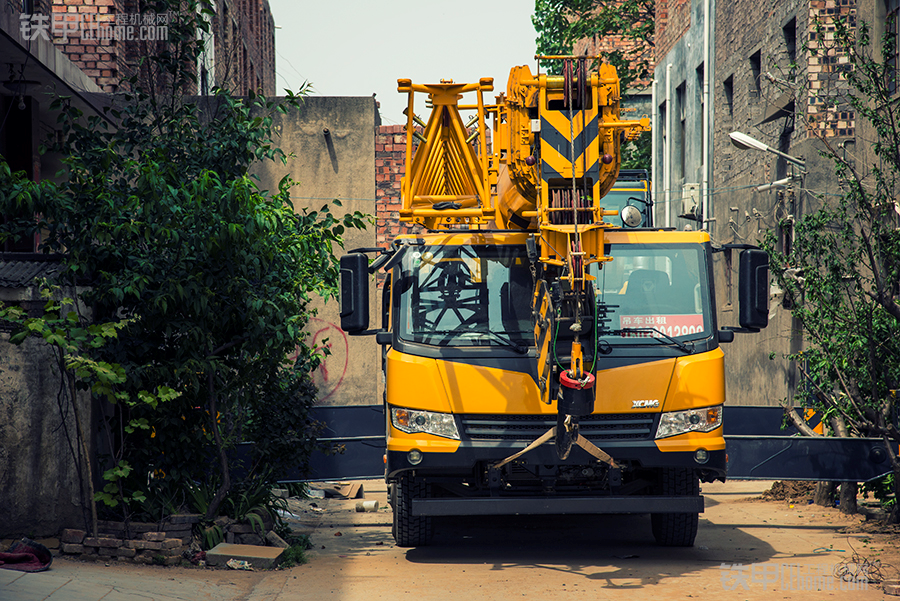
(671, 325)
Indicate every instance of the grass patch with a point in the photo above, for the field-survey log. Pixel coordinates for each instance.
(295, 555)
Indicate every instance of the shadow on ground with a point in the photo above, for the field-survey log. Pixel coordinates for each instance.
(617, 549)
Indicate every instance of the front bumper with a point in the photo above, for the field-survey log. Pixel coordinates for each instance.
(556, 505)
(470, 455)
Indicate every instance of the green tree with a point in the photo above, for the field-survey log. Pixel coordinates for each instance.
(561, 23)
(841, 274)
(160, 218)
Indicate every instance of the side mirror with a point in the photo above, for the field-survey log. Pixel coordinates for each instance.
(354, 292)
(753, 289)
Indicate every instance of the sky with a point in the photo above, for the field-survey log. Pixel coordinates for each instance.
(361, 47)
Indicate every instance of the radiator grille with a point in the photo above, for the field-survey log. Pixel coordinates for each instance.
(525, 428)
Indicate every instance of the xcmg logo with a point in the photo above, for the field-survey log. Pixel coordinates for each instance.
(645, 404)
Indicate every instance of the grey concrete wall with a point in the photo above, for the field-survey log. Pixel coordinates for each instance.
(743, 28)
(685, 166)
(339, 165)
(756, 371)
(39, 486)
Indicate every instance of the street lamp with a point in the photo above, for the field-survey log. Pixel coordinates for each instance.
(777, 185)
(745, 142)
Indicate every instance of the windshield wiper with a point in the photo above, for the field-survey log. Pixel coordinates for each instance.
(497, 337)
(684, 348)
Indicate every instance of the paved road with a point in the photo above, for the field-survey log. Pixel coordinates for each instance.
(769, 551)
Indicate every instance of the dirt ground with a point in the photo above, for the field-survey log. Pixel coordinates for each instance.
(747, 549)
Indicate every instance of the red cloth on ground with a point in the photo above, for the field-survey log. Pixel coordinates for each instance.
(26, 556)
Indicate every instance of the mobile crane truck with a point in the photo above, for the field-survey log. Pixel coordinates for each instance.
(546, 349)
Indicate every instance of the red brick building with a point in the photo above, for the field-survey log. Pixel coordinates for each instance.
(107, 39)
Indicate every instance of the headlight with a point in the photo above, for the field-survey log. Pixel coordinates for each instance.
(413, 421)
(692, 420)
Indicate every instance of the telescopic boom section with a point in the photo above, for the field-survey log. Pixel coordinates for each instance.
(568, 130)
(447, 180)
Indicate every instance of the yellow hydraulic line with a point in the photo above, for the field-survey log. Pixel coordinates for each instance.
(460, 175)
(407, 183)
(418, 121)
(450, 165)
(456, 125)
(428, 177)
(431, 135)
(475, 212)
(482, 145)
(464, 200)
(431, 165)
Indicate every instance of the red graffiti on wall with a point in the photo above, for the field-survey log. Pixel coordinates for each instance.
(333, 368)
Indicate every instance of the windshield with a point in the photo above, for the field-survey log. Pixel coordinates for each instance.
(478, 295)
(649, 286)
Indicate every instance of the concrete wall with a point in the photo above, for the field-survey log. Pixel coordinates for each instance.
(750, 39)
(750, 34)
(39, 487)
(683, 68)
(337, 165)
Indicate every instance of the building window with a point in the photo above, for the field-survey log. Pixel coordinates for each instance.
(681, 148)
(789, 32)
(756, 75)
(728, 89)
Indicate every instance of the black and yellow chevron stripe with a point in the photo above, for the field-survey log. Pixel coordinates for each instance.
(556, 145)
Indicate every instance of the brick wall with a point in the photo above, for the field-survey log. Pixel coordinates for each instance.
(639, 49)
(100, 59)
(827, 110)
(243, 30)
(390, 152)
(673, 19)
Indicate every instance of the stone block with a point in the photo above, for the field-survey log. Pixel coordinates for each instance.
(249, 539)
(126, 552)
(72, 548)
(242, 529)
(154, 536)
(109, 543)
(258, 557)
(276, 541)
(71, 535)
(170, 543)
(110, 526)
(183, 518)
(107, 552)
(178, 531)
(173, 552)
(146, 544)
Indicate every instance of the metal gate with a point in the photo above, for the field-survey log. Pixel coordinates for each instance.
(757, 447)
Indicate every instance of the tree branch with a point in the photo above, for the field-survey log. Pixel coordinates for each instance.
(798, 421)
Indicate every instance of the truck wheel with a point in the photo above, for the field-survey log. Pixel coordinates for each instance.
(409, 530)
(676, 529)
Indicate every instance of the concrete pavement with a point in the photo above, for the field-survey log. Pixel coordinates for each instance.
(607, 557)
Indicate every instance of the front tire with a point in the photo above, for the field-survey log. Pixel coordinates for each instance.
(676, 529)
(409, 530)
